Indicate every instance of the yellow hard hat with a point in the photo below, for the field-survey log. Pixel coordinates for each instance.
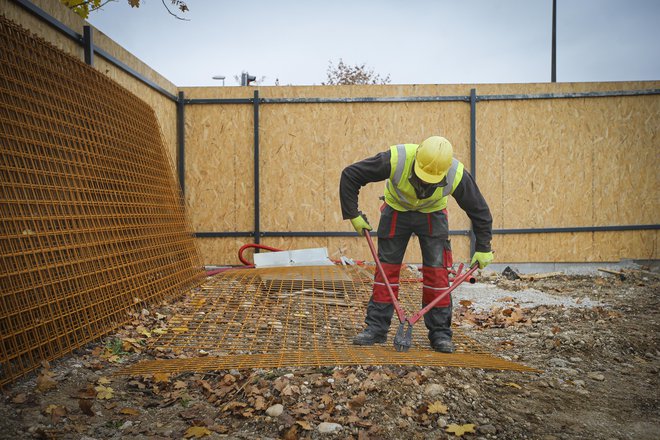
(433, 159)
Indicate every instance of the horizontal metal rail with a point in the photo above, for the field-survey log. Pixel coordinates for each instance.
(365, 99)
(218, 101)
(223, 234)
(578, 229)
(407, 99)
(604, 94)
(509, 231)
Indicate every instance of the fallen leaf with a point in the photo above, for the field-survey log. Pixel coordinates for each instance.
(291, 433)
(247, 413)
(142, 330)
(45, 381)
(19, 398)
(407, 411)
(437, 408)
(513, 385)
(301, 408)
(161, 377)
(358, 400)
(85, 406)
(290, 390)
(56, 412)
(197, 432)
(103, 380)
(465, 303)
(260, 403)
(233, 405)
(304, 425)
(459, 430)
(49, 409)
(228, 379)
(103, 392)
(113, 358)
(129, 411)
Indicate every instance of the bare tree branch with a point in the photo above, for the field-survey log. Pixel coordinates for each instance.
(102, 4)
(172, 13)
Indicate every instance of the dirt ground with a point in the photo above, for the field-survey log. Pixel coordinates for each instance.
(599, 380)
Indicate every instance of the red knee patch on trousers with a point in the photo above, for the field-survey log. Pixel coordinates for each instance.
(436, 282)
(380, 293)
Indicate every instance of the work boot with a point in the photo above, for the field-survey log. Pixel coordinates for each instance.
(378, 319)
(438, 321)
(443, 346)
(369, 337)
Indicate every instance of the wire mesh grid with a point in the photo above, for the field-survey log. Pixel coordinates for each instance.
(93, 224)
(295, 316)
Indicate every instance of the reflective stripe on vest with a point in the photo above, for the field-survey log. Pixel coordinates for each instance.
(400, 164)
(451, 175)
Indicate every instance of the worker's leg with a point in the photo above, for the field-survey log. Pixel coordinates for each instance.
(436, 258)
(392, 242)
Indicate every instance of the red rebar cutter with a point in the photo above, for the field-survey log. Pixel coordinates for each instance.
(403, 337)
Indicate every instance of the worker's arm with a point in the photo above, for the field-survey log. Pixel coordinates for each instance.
(357, 175)
(469, 198)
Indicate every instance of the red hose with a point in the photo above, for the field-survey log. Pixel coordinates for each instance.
(253, 245)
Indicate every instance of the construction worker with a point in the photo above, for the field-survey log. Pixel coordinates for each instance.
(419, 179)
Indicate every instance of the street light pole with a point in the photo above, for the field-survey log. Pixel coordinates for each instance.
(220, 77)
(553, 74)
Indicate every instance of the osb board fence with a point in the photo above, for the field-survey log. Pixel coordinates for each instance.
(93, 225)
(540, 164)
(295, 316)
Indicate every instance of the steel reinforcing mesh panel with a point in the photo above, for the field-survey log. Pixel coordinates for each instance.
(295, 316)
(93, 224)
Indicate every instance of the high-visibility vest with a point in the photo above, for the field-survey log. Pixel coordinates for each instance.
(399, 192)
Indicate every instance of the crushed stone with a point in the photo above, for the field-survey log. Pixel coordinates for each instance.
(486, 296)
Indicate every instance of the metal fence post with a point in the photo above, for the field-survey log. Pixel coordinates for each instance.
(88, 44)
(257, 232)
(473, 154)
(181, 142)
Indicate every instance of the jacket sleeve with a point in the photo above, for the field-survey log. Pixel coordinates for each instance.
(469, 198)
(357, 175)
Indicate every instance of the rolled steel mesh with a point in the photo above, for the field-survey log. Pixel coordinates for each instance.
(93, 224)
(295, 316)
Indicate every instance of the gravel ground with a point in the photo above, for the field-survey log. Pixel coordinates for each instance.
(485, 296)
(594, 340)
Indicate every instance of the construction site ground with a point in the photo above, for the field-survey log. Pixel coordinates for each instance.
(596, 346)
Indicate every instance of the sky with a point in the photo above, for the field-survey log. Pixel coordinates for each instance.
(412, 41)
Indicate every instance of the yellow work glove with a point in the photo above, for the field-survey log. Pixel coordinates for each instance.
(483, 258)
(360, 223)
